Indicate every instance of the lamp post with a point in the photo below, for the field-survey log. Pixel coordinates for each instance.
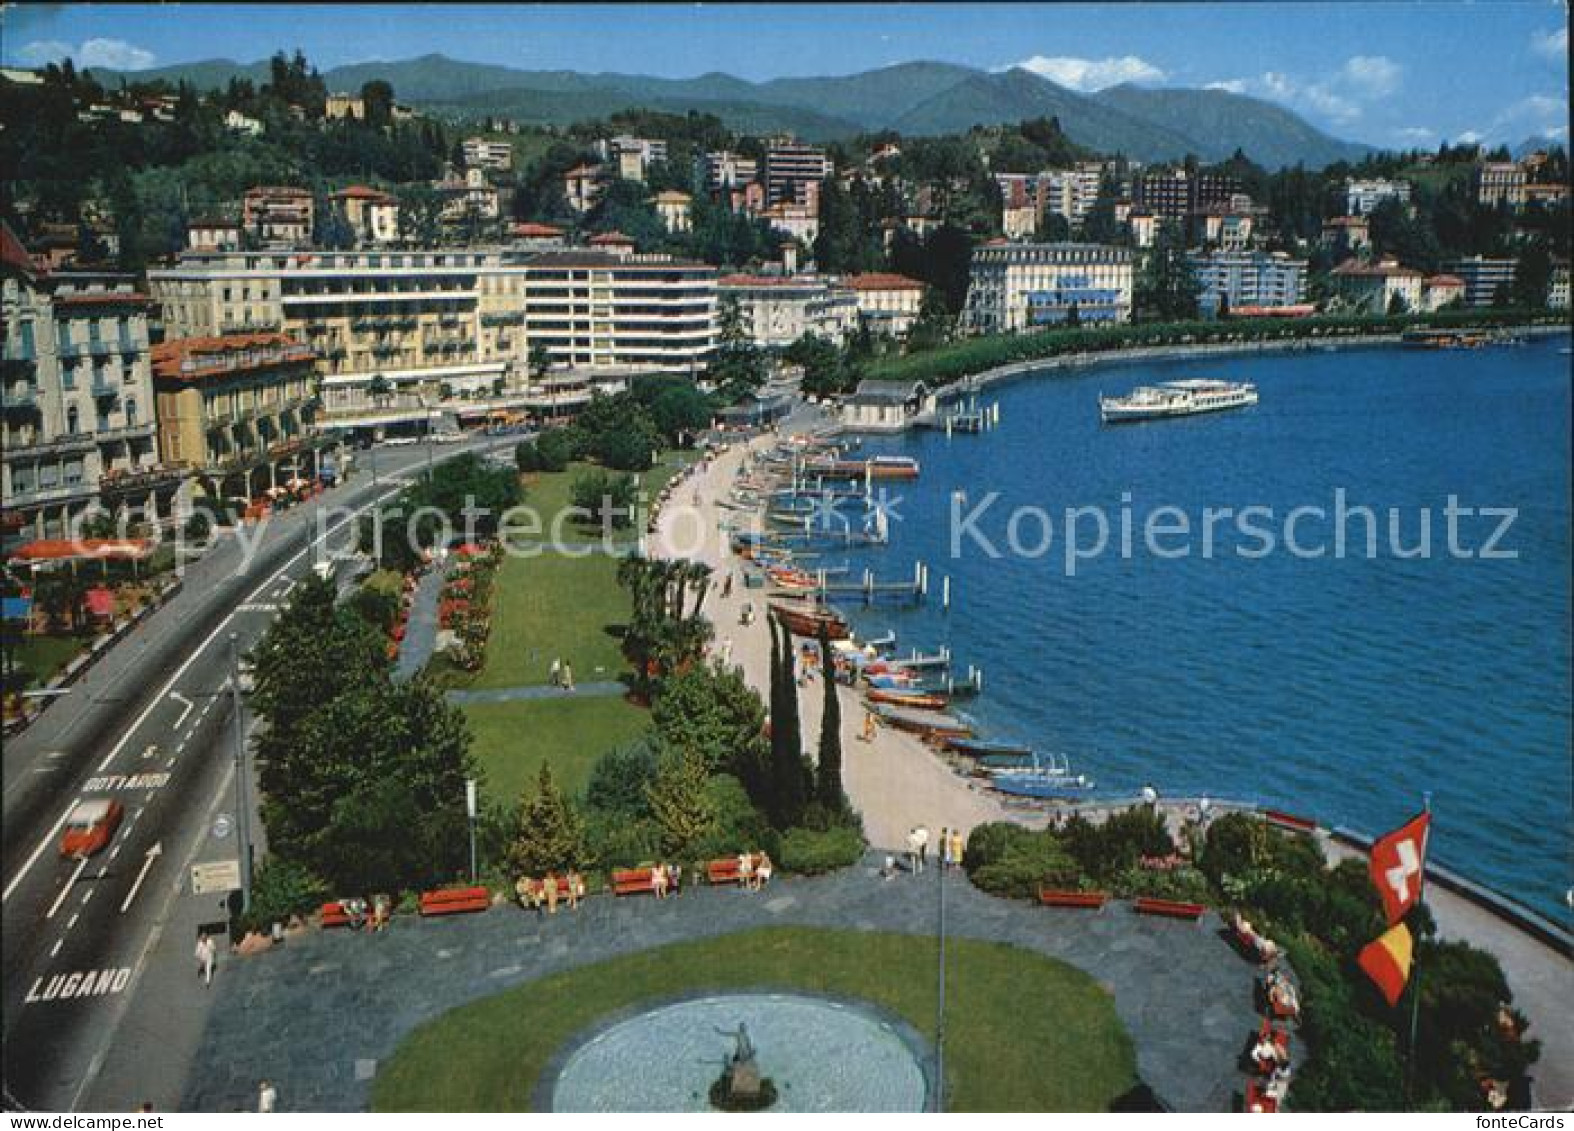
(470, 810)
(242, 807)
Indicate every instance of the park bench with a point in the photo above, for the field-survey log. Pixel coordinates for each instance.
(1258, 1100)
(1289, 822)
(333, 915)
(1169, 908)
(631, 881)
(1051, 897)
(455, 901)
(725, 870)
(536, 890)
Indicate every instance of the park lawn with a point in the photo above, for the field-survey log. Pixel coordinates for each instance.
(549, 493)
(43, 657)
(570, 733)
(1023, 1032)
(554, 605)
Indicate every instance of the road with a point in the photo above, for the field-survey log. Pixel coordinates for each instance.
(150, 725)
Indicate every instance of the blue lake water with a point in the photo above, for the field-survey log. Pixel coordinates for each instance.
(1342, 688)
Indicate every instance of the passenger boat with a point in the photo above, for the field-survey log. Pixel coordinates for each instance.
(1176, 398)
(919, 700)
(930, 724)
(807, 620)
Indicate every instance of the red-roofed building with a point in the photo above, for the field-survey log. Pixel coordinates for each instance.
(887, 303)
(1374, 287)
(209, 233)
(230, 404)
(279, 216)
(614, 243)
(780, 309)
(371, 213)
(542, 237)
(1438, 291)
(582, 187)
(75, 389)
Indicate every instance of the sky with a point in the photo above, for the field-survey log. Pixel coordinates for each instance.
(1391, 74)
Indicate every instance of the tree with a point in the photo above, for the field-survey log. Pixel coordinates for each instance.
(420, 215)
(932, 327)
(1532, 276)
(549, 834)
(824, 373)
(712, 711)
(680, 802)
(789, 779)
(1166, 288)
(379, 389)
(828, 769)
(377, 96)
(737, 367)
(609, 500)
(620, 779)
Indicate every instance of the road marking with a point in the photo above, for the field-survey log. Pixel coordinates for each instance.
(79, 983)
(289, 564)
(180, 747)
(110, 783)
(88, 895)
(259, 607)
(54, 950)
(171, 763)
(114, 852)
(179, 698)
(71, 922)
(153, 854)
(61, 898)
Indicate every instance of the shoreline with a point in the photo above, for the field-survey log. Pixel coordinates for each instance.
(1017, 370)
(896, 782)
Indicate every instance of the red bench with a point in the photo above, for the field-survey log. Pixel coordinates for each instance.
(1050, 897)
(455, 901)
(1258, 1100)
(632, 881)
(1289, 822)
(535, 891)
(726, 870)
(333, 915)
(1170, 908)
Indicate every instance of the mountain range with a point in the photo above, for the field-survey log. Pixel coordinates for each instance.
(915, 99)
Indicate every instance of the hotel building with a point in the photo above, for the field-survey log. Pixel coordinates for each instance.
(780, 309)
(1231, 280)
(1022, 286)
(279, 216)
(790, 165)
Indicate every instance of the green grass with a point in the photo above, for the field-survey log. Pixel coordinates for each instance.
(550, 493)
(1023, 1032)
(554, 605)
(511, 740)
(42, 657)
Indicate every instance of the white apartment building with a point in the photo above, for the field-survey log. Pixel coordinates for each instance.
(1361, 196)
(479, 153)
(887, 303)
(1231, 280)
(1023, 286)
(631, 156)
(77, 398)
(722, 169)
(790, 165)
(780, 309)
(1372, 287)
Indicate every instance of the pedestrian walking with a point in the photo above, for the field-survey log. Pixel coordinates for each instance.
(549, 885)
(267, 1098)
(915, 859)
(958, 847)
(206, 954)
(945, 849)
(726, 652)
(726, 586)
(868, 731)
(557, 672)
(923, 846)
(568, 677)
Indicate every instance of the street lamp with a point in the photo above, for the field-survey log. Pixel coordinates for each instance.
(470, 810)
(242, 807)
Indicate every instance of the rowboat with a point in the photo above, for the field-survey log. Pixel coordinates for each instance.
(978, 748)
(809, 619)
(916, 699)
(1049, 776)
(930, 724)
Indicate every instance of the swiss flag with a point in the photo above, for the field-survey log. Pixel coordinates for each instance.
(1398, 864)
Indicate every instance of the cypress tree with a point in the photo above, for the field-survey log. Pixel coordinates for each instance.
(828, 771)
(790, 781)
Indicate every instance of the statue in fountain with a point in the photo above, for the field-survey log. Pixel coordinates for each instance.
(740, 1086)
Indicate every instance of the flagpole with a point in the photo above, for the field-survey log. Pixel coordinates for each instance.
(1415, 967)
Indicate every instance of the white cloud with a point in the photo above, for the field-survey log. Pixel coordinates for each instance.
(1414, 134)
(1230, 86)
(1554, 43)
(1335, 106)
(1370, 75)
(1469, 137)
(1092, 74)
(116, 54)
(1536, 106)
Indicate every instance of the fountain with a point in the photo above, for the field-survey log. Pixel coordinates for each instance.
(740, 1087)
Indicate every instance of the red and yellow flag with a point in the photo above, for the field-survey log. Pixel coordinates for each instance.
(1386, 961)
(1398, 865)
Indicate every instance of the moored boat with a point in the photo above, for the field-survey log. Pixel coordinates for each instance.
(979, 748)
(920, 700)
(930, 724)
(807, 620)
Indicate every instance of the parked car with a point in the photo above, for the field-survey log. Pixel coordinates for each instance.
(90, 827)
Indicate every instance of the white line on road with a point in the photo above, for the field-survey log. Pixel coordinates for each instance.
(170, 764)
(289, 564)
(153, 854)
(179, 698)
(54, 950)
(61, 898)
(71, 922)
(87, 895)
(114, 852)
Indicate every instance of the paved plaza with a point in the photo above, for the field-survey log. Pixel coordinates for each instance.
(319, 1015)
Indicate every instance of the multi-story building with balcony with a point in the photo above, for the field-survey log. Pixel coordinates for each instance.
(371, 213)
(1362, 196)
(887, 303)
(721, 169)
(630, 156)
(780, 309)
(602, 311)
(236, 410)
(77, 397)
(1483, 276)
(1016, 286)
(279, 216)
(426, 322)
(1176, 193)
(1235, 280)
(479, 153)
(1500, 182)
(790, 165)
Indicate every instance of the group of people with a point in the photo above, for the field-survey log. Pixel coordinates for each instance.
(948, 849)
(544, 894)
(1270, 1053)
(754, 870)
(562, 673)
(1260, 946)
